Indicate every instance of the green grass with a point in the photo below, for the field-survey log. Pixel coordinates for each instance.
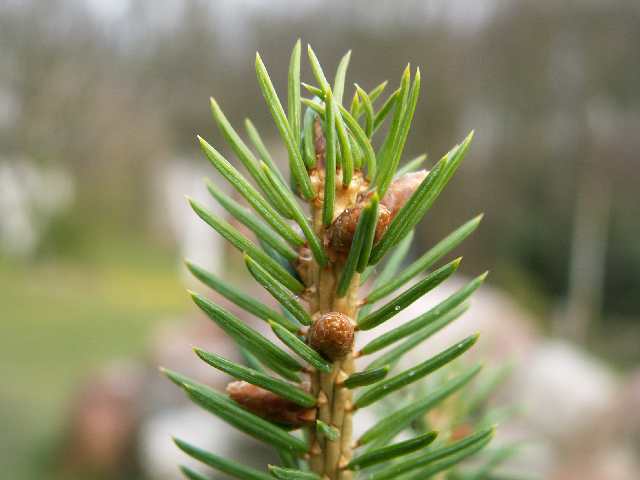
(60, 319)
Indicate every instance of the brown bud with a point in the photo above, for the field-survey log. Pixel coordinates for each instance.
(319, 143)
(401, 189)
(332, 335)
(268, 405)
(340, 233)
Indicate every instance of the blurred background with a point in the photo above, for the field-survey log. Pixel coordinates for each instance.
(99, 104)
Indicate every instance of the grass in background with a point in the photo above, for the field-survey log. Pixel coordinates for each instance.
(59, 319)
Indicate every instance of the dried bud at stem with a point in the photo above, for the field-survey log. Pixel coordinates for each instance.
(332, 335)
(268, 405)
(340, 233)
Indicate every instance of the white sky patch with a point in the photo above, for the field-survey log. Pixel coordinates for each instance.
(109, 10)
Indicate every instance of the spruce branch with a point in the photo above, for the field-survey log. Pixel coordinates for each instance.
(318, 241)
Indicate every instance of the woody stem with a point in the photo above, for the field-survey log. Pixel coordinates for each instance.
(334, 400)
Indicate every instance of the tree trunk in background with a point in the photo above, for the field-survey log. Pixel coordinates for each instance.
(588, 255)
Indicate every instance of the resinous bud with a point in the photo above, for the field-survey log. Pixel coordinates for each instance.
(341, 232)
(332, 334)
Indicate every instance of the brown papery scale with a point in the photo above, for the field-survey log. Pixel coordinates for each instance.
(401, 189)
(268, 405)
(304, 265)
(319, 143)
(332, 335)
